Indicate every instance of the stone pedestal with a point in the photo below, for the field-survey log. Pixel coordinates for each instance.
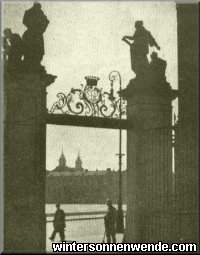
(24, 162)
(149, 169)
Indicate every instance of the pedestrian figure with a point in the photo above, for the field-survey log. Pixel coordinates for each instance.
(110, 222)
(58, 224)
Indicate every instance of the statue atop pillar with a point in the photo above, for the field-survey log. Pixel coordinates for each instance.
(33, 42)
(13, 51)
(139, 49)
(24, 54)
(157, 68)
(7, 35)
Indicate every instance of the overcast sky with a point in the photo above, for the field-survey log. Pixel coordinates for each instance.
(84, 38)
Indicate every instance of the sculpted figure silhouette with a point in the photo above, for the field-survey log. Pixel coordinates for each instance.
(6, 43)
(16, 53)
(13, 50)
(36, 22)
(157, 68)
(140, 47)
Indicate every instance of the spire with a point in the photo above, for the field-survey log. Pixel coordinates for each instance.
(62, 160)
(62, 154)
(78, 164)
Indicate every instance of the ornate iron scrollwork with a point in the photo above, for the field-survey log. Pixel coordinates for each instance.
(92, 101)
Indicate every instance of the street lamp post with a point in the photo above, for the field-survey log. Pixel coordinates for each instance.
(120, 215)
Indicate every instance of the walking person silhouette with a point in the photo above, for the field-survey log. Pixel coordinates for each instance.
(59, 224)
(110, 222)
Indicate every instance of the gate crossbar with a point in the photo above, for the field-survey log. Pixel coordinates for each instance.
(84, 121)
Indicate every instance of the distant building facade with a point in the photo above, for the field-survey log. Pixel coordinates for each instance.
(62, 165)
(79, 186)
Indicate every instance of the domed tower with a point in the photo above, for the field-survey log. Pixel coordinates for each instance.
(62, 161)
(78, 163)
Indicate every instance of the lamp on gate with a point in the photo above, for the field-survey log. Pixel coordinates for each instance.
(120, 215)
(91, 81)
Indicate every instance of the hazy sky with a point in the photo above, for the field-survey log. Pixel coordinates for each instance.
(84, 38)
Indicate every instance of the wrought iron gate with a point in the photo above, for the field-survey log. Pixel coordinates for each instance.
(89, 106)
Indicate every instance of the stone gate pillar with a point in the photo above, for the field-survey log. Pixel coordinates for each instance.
(25, 82)
(187, 131)
(24, 165)
(149, 161)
